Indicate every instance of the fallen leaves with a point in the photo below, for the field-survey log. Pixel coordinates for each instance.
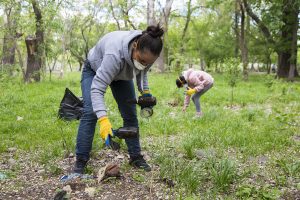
(110, 170)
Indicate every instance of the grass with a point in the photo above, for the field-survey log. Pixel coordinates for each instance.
(261, 122)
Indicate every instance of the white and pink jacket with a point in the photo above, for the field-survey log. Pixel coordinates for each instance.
(198, 80)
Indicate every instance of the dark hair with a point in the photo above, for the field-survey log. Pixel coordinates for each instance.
(151, 40)
(180, 81)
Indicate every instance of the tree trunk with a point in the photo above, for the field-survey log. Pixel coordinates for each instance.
(236, 29)
(150, 12)
(202, 64)
(10, 35)
(243, 44)
(293, 68)
(269, 64)
(33, 61)
(164, 20)
(287, 53)
(35, 48)
(80, 64)
(187, 21)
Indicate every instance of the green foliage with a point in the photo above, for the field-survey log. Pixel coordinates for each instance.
(138, 177)
(251, 192)
(289, 169)
(223, 173)
(233, 72)
(232, 68)
(186, 175)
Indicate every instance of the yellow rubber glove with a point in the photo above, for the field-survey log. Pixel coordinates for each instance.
(105, 129)
(146, 93)
(190, 91)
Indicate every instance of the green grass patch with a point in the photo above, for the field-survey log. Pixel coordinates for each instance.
(263, 120)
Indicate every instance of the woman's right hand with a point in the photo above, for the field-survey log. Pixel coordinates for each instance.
(105, 129)
(184, 109)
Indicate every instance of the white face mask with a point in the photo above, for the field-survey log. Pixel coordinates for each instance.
(138, 65)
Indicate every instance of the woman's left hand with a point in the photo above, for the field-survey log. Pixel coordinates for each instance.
(190, 91)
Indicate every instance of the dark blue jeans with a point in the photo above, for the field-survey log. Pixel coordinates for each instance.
(122, 91)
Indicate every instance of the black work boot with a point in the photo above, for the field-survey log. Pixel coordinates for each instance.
(79, 166)
(139, 162)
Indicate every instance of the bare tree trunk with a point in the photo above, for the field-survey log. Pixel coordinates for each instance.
(164, 22)
(187, 21)
(69, 62)
(150, 12)
(52, 68)
(243, 44)
(10, 35)
(80, 65)
(236, 29)
(269, 64)
(202, 64)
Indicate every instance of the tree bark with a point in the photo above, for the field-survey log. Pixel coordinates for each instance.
(33, 62)
(186, 25)
(236, 29)
(11, 13)
(150, 12)
(293, 68)
(243, 44)
(202, 64)
(287, 53)
(164, 22)
(35, 47)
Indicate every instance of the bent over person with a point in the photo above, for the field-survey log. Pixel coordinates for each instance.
(117, 59)
(197, 82)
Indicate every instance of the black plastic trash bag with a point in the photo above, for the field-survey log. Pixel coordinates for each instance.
(70, 107)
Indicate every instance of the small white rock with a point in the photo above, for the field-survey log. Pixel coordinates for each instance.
(90, 191)
(68, 189)
(120, 156)
(41, 171)
(19, 118)
(11, 161)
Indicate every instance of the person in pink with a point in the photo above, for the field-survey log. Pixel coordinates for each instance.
(196, 82)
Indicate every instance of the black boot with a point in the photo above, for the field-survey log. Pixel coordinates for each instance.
(139, 162)
(79, 166)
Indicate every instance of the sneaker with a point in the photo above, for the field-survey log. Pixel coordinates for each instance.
(79, 166)
(139, 162)
(198, 115)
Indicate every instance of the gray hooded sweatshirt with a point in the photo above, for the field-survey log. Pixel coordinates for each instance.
(111, 59)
